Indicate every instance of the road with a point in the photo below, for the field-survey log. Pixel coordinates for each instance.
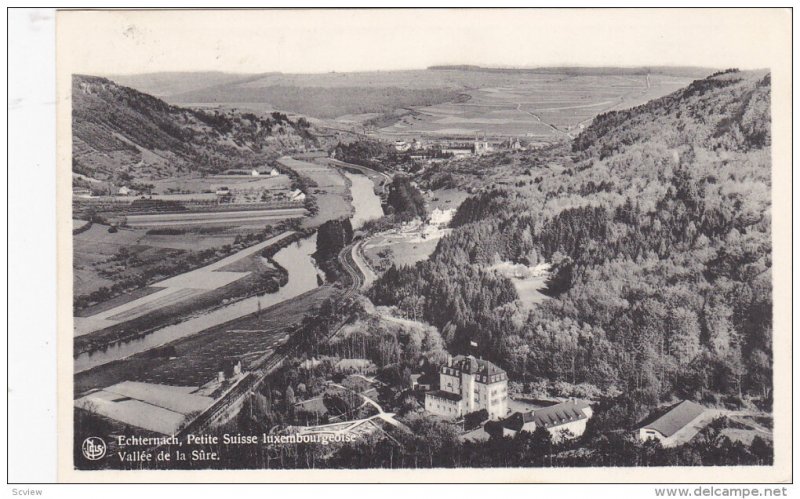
(359, 274)
(355, 276)
(236, 396)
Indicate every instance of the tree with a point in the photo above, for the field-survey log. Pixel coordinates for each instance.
(289, 396)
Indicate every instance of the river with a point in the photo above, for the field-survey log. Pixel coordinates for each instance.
(295, 258)
(367, 205)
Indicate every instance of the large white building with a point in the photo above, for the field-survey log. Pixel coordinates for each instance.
(466, 385)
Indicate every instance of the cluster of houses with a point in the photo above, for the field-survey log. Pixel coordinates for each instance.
(244, 194)
(460, 148)
(467, 384)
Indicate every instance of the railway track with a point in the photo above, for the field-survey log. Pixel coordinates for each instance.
(253, 379)
(355, 277)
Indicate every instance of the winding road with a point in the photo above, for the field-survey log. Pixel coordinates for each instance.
(359, 275)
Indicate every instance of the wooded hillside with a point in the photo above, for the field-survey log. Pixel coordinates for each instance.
(656, 221)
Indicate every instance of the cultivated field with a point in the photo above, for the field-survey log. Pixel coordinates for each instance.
(173, 290)
(194, 360)
(385, 250)
(537, 106)
(213, 218)
(212, 183)
(101, 258)
(529, 282)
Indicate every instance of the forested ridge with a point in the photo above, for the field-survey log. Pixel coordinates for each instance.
(656, 221)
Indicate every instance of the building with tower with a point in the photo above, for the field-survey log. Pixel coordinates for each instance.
(466, 385)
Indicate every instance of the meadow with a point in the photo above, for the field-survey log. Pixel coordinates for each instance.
(177, 289)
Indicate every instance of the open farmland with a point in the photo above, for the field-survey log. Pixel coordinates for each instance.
(102, 258)
(540, 103)
(211, 183)
(538, 106)
(213, 218)
(173, 290)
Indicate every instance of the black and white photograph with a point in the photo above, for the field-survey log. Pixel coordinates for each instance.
(378, 241)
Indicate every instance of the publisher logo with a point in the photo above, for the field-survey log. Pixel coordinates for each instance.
(93, 448)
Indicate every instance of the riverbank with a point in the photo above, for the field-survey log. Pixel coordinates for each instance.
(294, 261)
(194, 360)
(177, 297)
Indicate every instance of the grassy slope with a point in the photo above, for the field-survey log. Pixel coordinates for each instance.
(120, 134)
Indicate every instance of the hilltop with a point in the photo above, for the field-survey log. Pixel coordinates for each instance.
(581, 70)
(121, 134)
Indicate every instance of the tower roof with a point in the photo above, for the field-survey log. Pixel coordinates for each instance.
(471, 365)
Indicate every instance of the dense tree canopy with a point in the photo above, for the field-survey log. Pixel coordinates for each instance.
(656, 221)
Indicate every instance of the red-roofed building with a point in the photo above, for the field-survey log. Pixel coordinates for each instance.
(466, 385)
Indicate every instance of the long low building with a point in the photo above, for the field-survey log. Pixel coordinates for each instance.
(567, 419)
(158, 408)
(679, 424)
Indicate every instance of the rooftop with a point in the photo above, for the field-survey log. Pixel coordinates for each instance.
(158, 408)
(548, 417)
(676, 417)
(471, 365)
(445, 395)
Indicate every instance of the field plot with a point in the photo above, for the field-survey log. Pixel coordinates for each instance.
(101, 258)
(213, 218)
(211, 183)
(195, 360)
(540, 106)
(529, 282)
(394, 249)
(173, 290)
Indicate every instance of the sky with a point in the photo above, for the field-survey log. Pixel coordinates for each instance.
(313, 41)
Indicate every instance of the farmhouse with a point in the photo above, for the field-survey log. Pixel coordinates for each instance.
(677, 426)
(565, 420)
(467, 385)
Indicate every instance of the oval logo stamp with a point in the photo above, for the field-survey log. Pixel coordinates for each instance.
(93, 448)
